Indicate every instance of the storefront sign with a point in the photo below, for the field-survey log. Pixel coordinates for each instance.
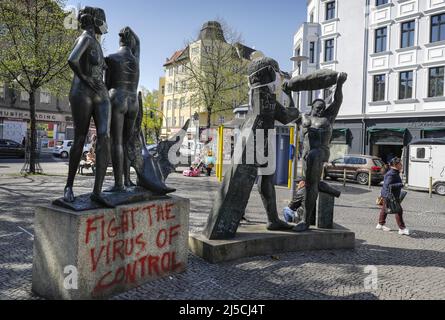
(25, 115)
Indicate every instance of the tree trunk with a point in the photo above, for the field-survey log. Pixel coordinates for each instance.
(33, 136)
(209, 118)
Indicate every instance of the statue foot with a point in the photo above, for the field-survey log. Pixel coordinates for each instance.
(99, 199)
(68, 195)
(301, 227)
(129, 184)
(116, 189)
(279, 226)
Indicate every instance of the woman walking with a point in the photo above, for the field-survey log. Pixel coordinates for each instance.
(393, 184)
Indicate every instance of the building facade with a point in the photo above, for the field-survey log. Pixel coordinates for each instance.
(180, 101)
(53, 117)
(394, 53)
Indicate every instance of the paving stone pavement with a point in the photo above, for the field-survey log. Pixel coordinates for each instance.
(407, 267)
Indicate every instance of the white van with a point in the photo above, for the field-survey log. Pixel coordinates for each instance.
(426, 160)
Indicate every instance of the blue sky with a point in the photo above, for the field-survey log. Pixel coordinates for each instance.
(164, 26)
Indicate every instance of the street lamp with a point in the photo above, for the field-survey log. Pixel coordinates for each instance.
(196, 120)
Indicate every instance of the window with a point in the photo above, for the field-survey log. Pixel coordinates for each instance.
(438, 28)
(163, 90)
(24, 96)
(45, 97)
(195, 51)
(2, 90)
(379, 88)
(380, 39)
(169, 105)
(175, 104)
(312, 52)
(310, 97)
(380, 2)
(338, 161)
(407, 38)
(170, 88)
(176, 86)
(406, 85)
(184, 85)
(329, 50)
(170, 72)
(182, 103)
(436, 82)
(311, 17)
(421, 153)
(327, 95)
(330, 10)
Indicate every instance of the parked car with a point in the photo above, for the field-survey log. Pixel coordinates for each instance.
(9, 148)
(357, 168)
(63, 149)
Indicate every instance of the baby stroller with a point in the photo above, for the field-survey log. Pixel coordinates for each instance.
(196, 169)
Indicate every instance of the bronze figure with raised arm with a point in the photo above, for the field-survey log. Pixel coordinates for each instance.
(317, 130)
(89, 98)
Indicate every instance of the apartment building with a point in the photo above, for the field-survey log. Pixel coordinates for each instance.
(53, 115)
(180, 102)
(394, 53)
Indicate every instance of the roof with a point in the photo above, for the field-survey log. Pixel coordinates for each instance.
(177, 56)
(433, 141)
(244, 51)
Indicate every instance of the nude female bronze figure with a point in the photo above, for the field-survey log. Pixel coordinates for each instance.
(89, 98)
(122, 79)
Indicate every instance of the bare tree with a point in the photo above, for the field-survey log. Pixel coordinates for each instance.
(217, 68)
(34, 47)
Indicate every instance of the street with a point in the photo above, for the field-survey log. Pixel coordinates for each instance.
(406, 267)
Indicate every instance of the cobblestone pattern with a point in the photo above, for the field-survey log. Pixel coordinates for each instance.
(408, 267)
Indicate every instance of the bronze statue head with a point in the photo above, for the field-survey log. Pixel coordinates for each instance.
(93, 17)
(318, 107)
(263, 71)
(127, 38)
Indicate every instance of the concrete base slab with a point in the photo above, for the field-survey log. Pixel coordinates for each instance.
(256, 240)
(99, 253)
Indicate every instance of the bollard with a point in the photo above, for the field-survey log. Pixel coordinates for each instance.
(344, 178)
(370, 180)
(431, 187)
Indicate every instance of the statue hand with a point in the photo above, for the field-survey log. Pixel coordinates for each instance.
(342, 77)
(286, 89)
(97, 85)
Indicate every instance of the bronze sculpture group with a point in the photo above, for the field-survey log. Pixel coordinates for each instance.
(105, 89)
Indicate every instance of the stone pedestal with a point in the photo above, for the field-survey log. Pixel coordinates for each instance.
(325, 216)
(103, 252)
(255, 240)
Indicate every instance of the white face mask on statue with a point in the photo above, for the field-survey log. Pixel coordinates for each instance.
(273, 86)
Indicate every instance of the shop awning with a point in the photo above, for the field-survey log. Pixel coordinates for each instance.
(340, 136)
(433, 133)
(399, 130)
(387, 136)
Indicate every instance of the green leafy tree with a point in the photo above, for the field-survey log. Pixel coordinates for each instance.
(35, 43)
(153, 118)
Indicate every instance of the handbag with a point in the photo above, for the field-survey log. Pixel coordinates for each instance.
(393, 205)
(379, 201)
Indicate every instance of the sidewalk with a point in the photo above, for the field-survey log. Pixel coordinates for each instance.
(408, 268)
